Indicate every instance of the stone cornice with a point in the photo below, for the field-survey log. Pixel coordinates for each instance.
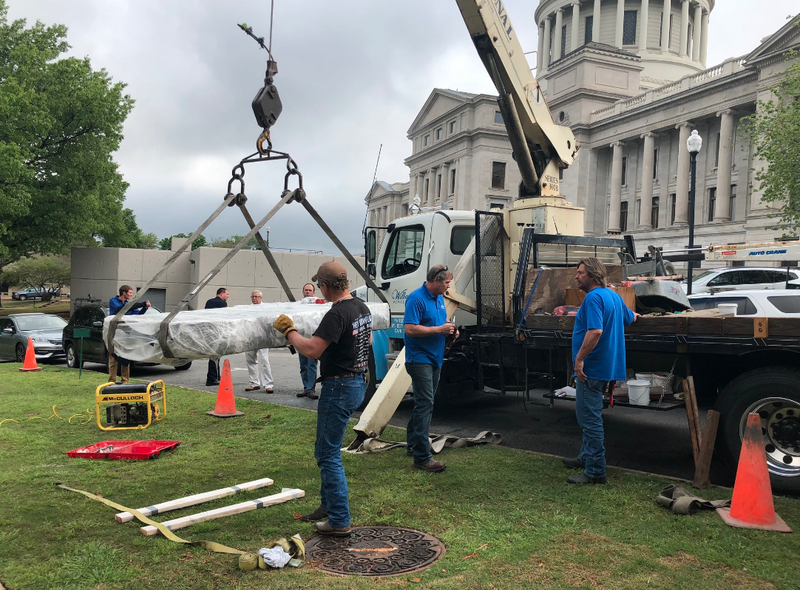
(469, 135)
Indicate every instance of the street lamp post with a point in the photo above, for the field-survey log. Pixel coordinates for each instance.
(694, 143)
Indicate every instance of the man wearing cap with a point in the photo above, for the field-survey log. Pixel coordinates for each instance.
(341, 343)
(258, 370)
(426, 332)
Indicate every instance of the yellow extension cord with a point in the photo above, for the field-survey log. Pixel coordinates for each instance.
(89, 417)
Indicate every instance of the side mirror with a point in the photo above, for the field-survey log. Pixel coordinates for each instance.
(8, 331)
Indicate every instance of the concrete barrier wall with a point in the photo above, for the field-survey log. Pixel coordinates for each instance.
(100, 271)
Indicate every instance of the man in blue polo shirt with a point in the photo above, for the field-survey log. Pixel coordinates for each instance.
(426, 331)
(598, 355)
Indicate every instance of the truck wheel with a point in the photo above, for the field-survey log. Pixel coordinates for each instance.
(73, 360)
(20, 353)
(372, 386)
(773, 394)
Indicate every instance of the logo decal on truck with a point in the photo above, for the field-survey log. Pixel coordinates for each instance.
(398, 296)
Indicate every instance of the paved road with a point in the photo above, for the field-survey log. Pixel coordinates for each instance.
(656, 442)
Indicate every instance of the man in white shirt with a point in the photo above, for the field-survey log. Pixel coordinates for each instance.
(258, 369)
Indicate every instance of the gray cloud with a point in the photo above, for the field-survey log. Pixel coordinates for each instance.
(352, 76)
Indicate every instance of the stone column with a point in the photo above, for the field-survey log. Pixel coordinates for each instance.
(684, 28)
(698, 28)
(420, 189)
(445, 182)
(616, 187)
(647, 181)
(540, 54)
(704, 39)
(665, 26)
(596, 22)
(576, 26)
(682, 183)
(645, 16)
(722, 211)
(546, 57)
(557, 37)
(619, 24)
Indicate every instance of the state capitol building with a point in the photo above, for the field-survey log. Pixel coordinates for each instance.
(630, 78)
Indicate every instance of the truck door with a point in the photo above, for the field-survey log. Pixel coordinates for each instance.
(402, 270)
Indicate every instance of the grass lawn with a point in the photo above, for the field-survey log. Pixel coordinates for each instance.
(57, 306)
(540, 531)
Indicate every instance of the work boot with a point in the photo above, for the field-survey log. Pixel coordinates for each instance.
(325, 528)
(432, 466)
(318, 514)
(583, 478)
(572, 462)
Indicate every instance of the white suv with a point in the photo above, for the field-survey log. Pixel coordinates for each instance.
(741, 277)
(777, 303)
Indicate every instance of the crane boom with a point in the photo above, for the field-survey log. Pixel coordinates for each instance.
(540, 146)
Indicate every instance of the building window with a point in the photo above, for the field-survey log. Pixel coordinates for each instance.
(655, 164)
(623, 216)
(654, 213)
(452, 127)
(427, 192)
(712, 203)
(563, 41)
(498, 117)
(498, 174)
(733, 202)
(587, 36)
(637, 213)
(426, 141)
(438, 186)
(629, 28)
(716, 157)
(672, 209)
(453, 181)
(624, 170)
(439, 133)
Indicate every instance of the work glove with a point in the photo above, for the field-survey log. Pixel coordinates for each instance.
(284, 325)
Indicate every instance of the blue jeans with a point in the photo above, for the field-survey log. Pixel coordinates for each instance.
(308, 372)
(338, 399)
(589, 412)
(425, 378)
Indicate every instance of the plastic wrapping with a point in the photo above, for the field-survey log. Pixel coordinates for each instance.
(211, 333)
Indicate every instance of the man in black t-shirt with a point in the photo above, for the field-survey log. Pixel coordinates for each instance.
(218, 302)
(341, 343)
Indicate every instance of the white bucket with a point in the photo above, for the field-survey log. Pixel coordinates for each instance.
(728, 308)
(645, 377)
(639, 392)
(662, 380)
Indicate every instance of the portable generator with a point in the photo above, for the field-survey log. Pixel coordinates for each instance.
(131, 406)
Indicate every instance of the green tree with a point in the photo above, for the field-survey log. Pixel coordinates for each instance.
(230, 242)
(60, 122)
(166, 243)
(775, 132)
(42, 272)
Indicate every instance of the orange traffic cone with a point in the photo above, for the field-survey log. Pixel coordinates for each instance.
(226, 405)
(30, 359)
(752, 506)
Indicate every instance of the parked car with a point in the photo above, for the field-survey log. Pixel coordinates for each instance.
(92, 317)
(743, 277)
(774, 303)
(45, 329)
(35, 293)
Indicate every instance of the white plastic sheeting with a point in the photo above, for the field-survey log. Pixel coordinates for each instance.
(211, 333)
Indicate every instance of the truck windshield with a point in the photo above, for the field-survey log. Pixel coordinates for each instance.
(404, 253)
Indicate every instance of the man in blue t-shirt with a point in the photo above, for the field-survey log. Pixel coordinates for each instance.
(426, 332)
(114, 305)
(598, 356)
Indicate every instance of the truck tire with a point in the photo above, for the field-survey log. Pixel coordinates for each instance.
(73, 360)
(773, 393)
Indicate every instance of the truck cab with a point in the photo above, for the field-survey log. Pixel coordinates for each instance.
(410, 247)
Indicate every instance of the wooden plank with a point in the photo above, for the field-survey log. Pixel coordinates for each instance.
(628, 295)
(196, 499)
(760, 327)
(693, 399)
(692, 419)
(702, 469)
(179, 523)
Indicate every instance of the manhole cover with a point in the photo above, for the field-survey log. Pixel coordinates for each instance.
(374, 551)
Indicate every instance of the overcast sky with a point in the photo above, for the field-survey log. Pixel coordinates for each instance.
(353, 74)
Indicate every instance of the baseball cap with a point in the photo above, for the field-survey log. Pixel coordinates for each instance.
(330, 272)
